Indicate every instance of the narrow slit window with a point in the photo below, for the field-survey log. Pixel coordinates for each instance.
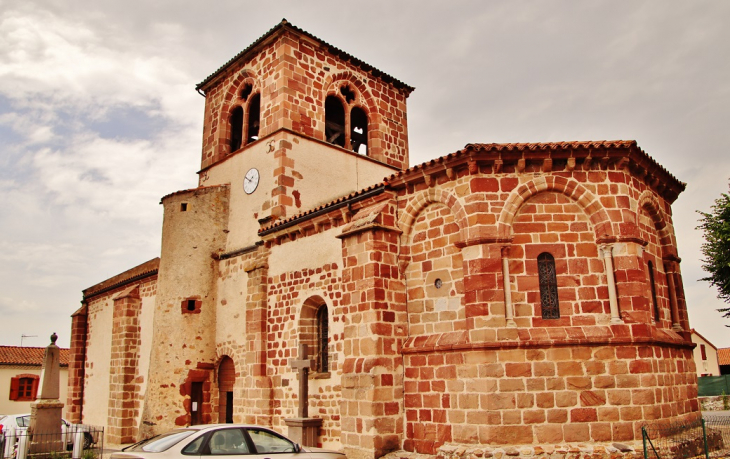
(236, 128)
(548, 286)
(322, 339)
(653, 291)
(254, 119)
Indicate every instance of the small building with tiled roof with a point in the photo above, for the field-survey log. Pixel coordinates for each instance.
(503, 295)
(723, 359)
(20, 371)
(706, 356)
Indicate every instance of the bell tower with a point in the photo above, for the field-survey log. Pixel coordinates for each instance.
(304, 122)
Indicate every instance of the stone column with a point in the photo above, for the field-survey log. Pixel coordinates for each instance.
(76, 370)
(607, 253)
(124, 384)
(45, 413)
(670, 268)
(372, 375)
(508, 308)
(257, 393)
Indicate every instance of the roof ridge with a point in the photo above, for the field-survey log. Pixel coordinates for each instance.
(333, 49)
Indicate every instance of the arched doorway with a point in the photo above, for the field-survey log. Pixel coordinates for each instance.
(226, 379)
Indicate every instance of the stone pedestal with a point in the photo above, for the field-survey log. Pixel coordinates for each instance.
(304, 431)
(45, 414)
(45, 432)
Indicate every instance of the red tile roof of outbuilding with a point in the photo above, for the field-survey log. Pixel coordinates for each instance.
(16, 355)
(723, 356)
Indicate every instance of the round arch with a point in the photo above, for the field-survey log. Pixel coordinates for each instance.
(422, 200)
(570, 188)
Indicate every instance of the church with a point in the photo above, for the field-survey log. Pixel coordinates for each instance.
(520, 294)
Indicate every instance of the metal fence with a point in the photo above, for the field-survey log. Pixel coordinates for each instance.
(707, 437)
(81, 442)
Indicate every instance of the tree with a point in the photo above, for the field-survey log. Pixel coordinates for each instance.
(716, 249)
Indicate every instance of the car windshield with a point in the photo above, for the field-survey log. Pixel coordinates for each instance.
(162, 442)
(23, 421)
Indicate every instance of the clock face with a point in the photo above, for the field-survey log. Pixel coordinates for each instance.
(251, 181)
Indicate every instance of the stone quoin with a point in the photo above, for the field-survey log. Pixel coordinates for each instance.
(501, 296)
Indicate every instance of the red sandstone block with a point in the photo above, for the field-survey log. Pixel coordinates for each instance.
(593, 398)
(576, 432)
(566, 399)
(545, 400)
(640, 366)
(544, 369)
(533, 416)
(631, 413)
(484, 184)
(604, 382)
(619, 396)
(583, 415)
(549, 434)
(506, 435)
(518, 370)
(570, 369)
(557, 416)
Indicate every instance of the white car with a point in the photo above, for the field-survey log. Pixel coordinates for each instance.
(230, 440)
(21, 422)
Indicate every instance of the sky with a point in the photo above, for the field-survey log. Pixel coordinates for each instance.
(99, 117)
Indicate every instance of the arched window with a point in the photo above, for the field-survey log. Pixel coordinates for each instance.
(359, 131)
(236, 128)
(322, 339)
(346, 124)
(254, 119)
(653, 291)
(334, 127)
(548, 286)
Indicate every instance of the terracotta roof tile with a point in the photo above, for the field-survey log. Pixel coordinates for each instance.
(723, 356)
(537, 146)
(284, 24)
(496, 147)
(342, 199)
(16, 355)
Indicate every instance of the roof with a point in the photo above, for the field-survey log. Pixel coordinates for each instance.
(695, 332)
(16, 355)
(339, 202)
(286, 25)
(581, 149)
(723, 356)
(142, 271)
(538, 149)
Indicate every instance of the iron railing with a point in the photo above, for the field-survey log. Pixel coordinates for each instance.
(79, 442)
(707, 437)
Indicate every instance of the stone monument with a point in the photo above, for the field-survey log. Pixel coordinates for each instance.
(303, 429)
(44, 432)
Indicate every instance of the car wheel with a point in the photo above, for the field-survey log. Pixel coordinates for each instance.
(88, 440)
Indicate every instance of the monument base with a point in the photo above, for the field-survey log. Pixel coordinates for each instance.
(304, 431)
(45, 427)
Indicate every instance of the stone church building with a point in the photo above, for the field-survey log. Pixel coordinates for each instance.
(503, 294)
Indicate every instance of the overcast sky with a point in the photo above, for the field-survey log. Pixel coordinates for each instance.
(99, 117)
